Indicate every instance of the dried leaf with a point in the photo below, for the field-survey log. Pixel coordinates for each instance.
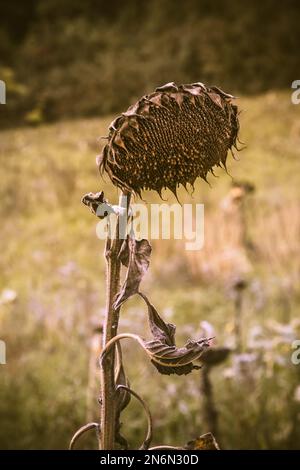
(124, 253)
(172, 360)
(98, 204)
(204, 442)
(160, 330)
(93, 200)
(148, 438)
(135, 253)
(123, 397)
(166, 447)
(167, 358)
(83, 430)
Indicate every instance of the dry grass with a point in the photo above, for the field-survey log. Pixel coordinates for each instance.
(52, 259)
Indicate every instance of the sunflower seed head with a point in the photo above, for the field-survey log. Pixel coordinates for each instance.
(170, 137)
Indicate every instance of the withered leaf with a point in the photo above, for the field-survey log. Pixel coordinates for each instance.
(124, 253)
(98, 204)
(172, 360)
(135, 254)
(204, 442)
(166, 357)
(123, 395)
(160, 330)
(123, 398)
(93, 200)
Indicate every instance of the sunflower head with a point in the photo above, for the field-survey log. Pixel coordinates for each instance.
(170, 137)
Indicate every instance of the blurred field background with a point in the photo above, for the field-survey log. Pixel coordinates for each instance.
(88, 61)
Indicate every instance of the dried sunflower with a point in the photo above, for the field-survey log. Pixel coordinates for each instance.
(170, 137)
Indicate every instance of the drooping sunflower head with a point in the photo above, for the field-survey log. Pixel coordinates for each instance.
(170, 137)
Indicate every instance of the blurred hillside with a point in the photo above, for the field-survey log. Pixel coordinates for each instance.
(74, 58)
(52, 290)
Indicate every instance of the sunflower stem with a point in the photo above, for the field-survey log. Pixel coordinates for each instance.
(108, 393)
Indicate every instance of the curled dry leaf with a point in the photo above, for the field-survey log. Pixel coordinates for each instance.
(167, 358)
(123, 397)
(121, 379)
(166, 447)
(205, 442)
(148, 438)
(100, 207)
(161, 331)
(135, 254)
(83, 430)
(96, 201)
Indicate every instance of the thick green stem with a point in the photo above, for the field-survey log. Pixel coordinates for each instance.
(108, 386)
